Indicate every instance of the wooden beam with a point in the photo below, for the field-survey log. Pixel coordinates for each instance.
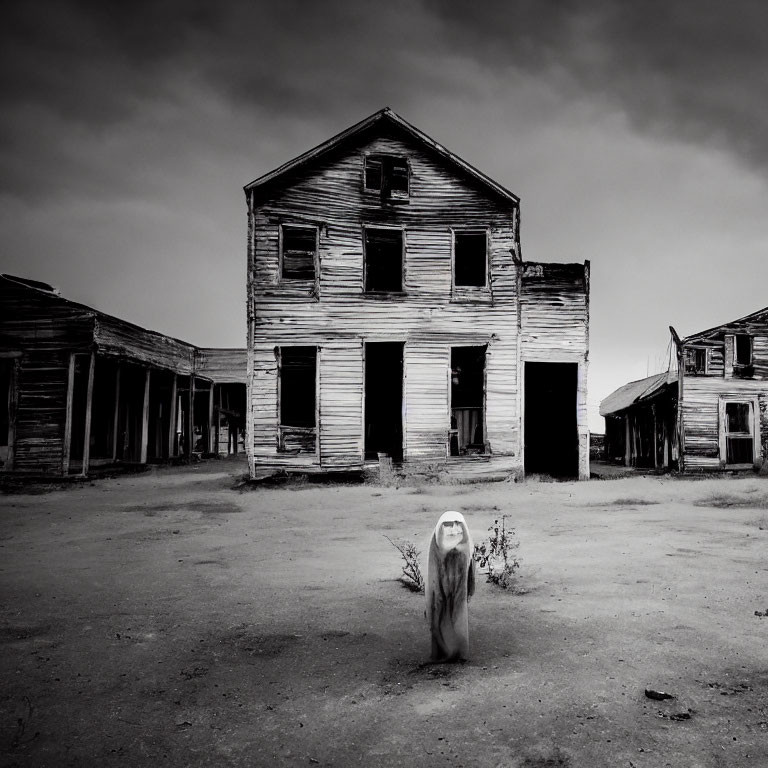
(116, 417)
(172, 448)
(145, 419)
(68, 417)
(88, 407)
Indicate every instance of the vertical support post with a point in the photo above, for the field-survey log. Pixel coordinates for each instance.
(88, 408)
(68, 417)
(655, 439)
(116, 418)
(12, 408)
(627, 444)
(191, 416)
(145, 419)
(211, 430)
(172, 419)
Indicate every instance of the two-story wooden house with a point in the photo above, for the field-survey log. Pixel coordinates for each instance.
(709, 414)
(390, 315)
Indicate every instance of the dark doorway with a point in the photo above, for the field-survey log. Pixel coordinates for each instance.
(551, 436)
(467, 400)
(384, 400)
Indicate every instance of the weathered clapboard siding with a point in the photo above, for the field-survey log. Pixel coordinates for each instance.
(222, 365)
(341, 404)
(429, 316)
(554, 307)
(116, 337)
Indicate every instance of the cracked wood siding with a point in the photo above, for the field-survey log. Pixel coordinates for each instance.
(426, 317)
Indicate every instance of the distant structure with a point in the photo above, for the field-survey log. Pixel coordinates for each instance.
(81, 389)
(709, 414)
(391, 317)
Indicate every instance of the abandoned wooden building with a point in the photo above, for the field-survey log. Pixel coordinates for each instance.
(709, 414)
(81, 389)
(391, 317)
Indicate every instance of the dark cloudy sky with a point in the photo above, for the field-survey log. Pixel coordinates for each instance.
(636, 135)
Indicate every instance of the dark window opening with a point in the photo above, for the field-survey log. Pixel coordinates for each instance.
(383, 260)
(695, 361)
(467, 401)
(298, 368)
(743, 366)
(738, 434)
(551, 432)
(299, 250)
(387, 174)
(384, 400)
(470, 257)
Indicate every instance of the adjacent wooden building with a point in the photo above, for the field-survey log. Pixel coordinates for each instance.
(80, 388)
(710, 414)
(391, 316)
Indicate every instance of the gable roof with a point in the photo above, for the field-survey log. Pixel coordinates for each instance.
(385, 115)
(635, 391)
(732, 324)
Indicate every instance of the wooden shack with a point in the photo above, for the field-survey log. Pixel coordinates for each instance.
(712, 410)
(85, 389)
(391, 317)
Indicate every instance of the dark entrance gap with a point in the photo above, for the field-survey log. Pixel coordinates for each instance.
(551, 435)
(384, 399)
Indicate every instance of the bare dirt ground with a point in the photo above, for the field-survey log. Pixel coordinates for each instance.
(171, 619)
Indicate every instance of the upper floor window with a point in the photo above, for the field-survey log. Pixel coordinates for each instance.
(743, 364)
(470, 258)
(695, 360)
(298, 252)
(387, 174)
(383, 251)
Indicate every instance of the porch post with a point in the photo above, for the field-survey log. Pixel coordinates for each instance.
(88, 405)
(145, 419)
(116, 418)
(68, 417)
(172, 420)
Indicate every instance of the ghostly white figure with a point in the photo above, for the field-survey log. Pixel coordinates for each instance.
(450, 584)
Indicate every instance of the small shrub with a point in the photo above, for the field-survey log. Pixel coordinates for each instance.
(498, 555)
(411, 572)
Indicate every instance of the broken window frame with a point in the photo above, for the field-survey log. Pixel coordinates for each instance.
(366, 269)
(692, 355)
(315, 261)
(470, 288)
(727, 436)
(300, 436)
(388, 167)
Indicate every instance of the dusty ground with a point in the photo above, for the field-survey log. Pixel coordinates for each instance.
(169, 619)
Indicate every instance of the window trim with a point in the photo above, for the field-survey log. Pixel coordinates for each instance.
(754, 422)
(707, 361)
(393, 194)
(469, 291)
(394, 228)
(298, 281)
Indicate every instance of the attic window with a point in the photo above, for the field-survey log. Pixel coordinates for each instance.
(695, 361)
(387, 174)
(298, 251)
(743, 348)
(470, 256)
(383, 260)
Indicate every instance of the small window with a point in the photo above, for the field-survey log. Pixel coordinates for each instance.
(738, 433)
(695, 361)
(299, 248)
(383, 260)
(387, 174)
(470, 257)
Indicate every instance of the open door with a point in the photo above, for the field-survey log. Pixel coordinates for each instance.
(551, 434)
(384, 400)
